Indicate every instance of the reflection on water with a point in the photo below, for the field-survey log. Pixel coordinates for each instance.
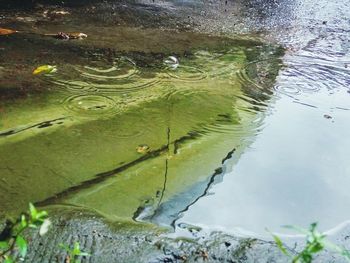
(297, 170)
(76, 140)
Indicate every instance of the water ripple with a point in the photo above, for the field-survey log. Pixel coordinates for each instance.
(307, 76)
(121, 76)
(91, 105)
(258, 73)
(187, 73)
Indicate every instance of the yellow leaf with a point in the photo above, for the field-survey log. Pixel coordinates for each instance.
(5, 31)
(143, 148)
(45, 69)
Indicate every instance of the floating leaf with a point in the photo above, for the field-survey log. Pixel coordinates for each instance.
(45, 69)
(5, 31)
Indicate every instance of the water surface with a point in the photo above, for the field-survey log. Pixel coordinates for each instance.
(297, 170)
(239, 137)
(126, 132)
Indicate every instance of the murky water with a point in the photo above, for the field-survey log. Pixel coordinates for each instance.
(239, 136)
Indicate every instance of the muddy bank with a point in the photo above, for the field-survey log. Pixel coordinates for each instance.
(129, 242)
(215, 17)
(126, 241)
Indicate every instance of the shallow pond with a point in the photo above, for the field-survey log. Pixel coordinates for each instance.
(123, 132)
(236, 135)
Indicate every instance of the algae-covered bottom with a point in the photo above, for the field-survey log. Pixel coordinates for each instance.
(129, 134)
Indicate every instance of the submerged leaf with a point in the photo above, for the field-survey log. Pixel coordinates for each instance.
(45, 69)
(142, 148)
(5, 31)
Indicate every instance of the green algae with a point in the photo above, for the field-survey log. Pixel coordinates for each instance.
(76, 142)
